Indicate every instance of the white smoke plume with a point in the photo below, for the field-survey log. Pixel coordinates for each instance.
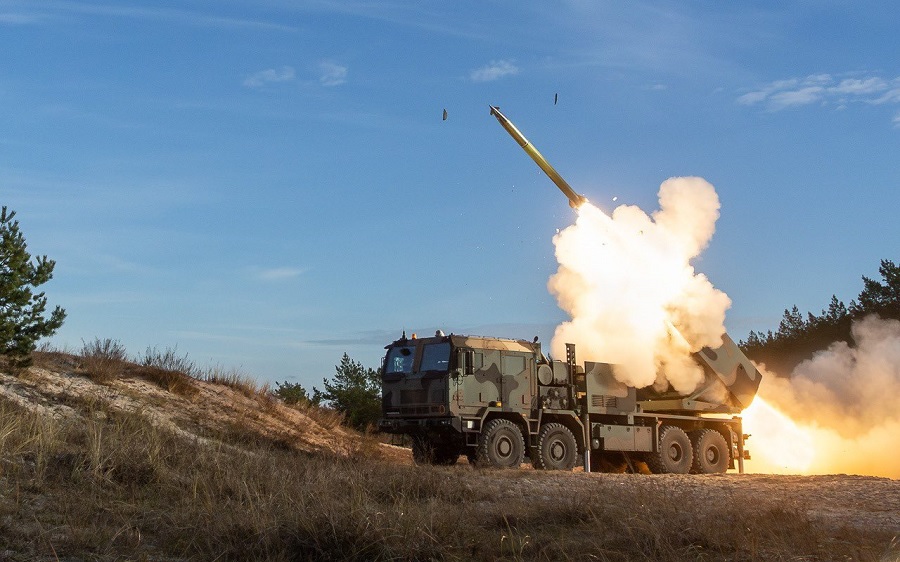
(632, 295)
(845, 400)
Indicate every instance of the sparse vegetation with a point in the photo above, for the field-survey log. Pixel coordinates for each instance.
(96, 481)
(117, 487)
(233, 378)
(169, 360)
(103, 360)
(294, 393)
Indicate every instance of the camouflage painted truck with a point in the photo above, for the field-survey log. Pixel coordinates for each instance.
(498, 401)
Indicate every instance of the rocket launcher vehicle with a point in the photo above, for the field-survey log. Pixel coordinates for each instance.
(731, 379)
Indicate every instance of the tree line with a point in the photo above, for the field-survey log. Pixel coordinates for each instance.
(800, 335)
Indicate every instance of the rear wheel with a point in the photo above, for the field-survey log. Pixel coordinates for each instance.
(500, 445)
(556, 449)
(711, 454)
(674, 454)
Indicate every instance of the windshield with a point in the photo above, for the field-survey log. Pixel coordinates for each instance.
(400, 360)
(436, 357)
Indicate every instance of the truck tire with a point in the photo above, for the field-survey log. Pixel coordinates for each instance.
(674, 454)
(556, 448)
(500, 445)
(424, 452)
(711, 454)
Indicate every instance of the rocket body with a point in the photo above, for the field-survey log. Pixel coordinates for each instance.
(575, 200)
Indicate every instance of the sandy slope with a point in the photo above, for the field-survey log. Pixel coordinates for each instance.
(208, 409)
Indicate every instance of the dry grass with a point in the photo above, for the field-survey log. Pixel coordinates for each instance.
(103, 360)
(175, 382)
(233, 378)
(112, 486)
(108, 484)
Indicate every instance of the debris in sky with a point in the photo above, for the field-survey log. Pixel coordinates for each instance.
(555, 98)
(445, 115)
(615, 199)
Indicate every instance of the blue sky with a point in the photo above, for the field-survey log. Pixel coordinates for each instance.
(267, 185)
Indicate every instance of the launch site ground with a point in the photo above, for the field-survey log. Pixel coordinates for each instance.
(130, 470)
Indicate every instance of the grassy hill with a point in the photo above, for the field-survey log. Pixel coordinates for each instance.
(149, 463)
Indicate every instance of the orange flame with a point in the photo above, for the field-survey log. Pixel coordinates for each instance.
(778, 444)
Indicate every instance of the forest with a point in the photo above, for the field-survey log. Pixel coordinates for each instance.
(800, 335)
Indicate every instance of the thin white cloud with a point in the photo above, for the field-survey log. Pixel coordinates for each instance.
(855, 86)
(180, 16)
(332, 74)
(891, 96)
(279, 273)
(494, 70)
(270, 76)
(825, 90)
(803, 96)
(897, 120)
(18, 19)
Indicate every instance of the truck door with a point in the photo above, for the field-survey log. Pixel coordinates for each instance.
(484, 386)
(515, 380)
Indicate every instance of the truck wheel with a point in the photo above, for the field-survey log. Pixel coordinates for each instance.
(675, 455)
(711, 454)
(500, 445)
(556, 449)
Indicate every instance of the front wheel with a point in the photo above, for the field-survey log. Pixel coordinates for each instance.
(500, 445)
(556, 448)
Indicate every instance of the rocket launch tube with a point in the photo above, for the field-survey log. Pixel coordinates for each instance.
(575, 200)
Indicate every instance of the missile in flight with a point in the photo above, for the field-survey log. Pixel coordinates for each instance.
(575, 200)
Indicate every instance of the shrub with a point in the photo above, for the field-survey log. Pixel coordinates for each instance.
(103, 360)
(169, 360)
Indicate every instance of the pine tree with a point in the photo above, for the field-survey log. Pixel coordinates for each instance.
(355, 391)
(792, 324)
(882, 298)
(836, 312)
(22, 321)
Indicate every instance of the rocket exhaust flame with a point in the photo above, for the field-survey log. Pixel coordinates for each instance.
(779, 445)
(844, 402)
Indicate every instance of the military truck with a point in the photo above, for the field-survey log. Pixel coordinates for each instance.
(498, 401)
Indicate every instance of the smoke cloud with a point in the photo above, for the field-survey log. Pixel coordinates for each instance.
(844, 399)
(632, 295)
